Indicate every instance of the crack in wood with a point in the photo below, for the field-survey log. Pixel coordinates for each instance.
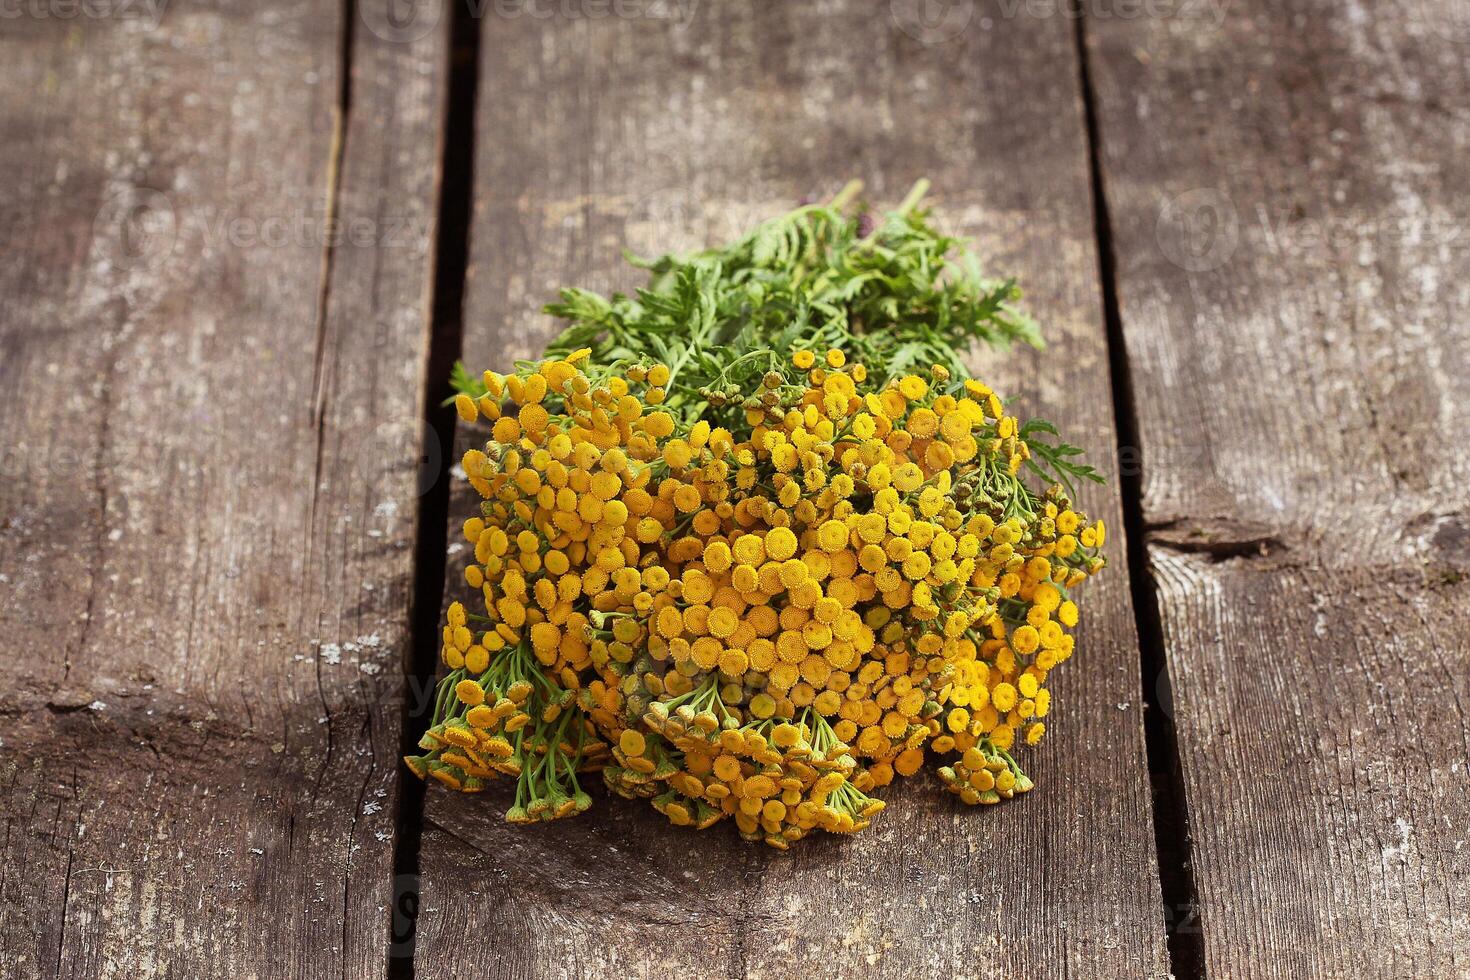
(1219, 538)
(451, 264)
(1179, 894)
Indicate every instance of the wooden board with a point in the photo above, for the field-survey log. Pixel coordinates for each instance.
(599, 133)
(1289, 197)
(209, 426)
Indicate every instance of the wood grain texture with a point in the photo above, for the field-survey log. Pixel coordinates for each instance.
(658, 134)
(1289, 194)
(210, 415)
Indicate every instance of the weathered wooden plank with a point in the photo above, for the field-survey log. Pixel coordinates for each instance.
(209, 431)
(1289, 191)
(594, 133)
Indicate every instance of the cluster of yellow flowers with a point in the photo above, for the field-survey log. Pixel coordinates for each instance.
(766, 621)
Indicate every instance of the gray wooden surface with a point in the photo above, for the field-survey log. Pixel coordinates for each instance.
(1296, 325)
(1241, 224)
(210, 416)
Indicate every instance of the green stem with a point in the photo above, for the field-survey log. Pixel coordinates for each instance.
(914, 196)
(845, 196)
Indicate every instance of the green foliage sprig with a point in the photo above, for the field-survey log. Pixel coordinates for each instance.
(894, 293)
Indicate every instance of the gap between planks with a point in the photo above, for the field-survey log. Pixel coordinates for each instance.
(1172, 839)
(443, 347)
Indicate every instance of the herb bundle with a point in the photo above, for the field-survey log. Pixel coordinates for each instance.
(751, 544)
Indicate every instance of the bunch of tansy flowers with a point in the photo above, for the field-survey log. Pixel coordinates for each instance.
(761, 600)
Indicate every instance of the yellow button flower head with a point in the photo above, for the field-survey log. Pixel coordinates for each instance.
(780, 543)
(913, 387)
